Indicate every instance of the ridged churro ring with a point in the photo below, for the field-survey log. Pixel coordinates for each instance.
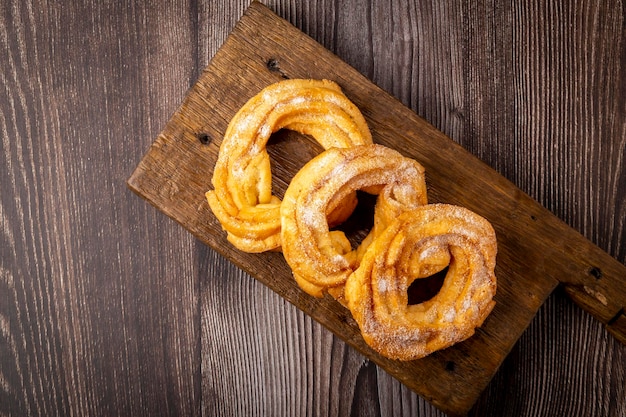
(416, 245)
(242, 198)
(321, 259)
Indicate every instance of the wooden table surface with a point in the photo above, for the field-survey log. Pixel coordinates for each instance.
(108, 307)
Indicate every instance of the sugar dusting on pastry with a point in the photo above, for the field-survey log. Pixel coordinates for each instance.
(246, 137)
(404, 220)
(453, 315)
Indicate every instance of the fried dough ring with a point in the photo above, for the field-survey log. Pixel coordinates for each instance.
(322, 260)
(417, 244)
(242, 197)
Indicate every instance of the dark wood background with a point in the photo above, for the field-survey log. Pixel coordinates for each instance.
(107, 307)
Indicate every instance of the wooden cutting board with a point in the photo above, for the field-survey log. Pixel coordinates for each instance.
(536, 250)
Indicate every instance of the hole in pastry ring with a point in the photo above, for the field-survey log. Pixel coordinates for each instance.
(417, 244)
(242, 197)
(322, 260)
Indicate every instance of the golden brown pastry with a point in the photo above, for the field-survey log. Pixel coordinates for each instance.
(242, 198)
(417, 244)
(321, 259)
(409, 240)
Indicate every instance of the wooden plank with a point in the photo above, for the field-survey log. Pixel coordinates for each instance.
(94, 318)
(536, 249)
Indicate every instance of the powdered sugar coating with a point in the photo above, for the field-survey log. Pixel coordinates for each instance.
(242, 198)
(307, 245)
(402, 331)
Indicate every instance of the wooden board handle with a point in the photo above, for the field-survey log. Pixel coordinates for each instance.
(601, 292)
(592, 278)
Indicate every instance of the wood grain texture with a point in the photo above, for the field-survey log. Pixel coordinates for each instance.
(95, 318)
(99, 293)
(173, 177)
(461, 90)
